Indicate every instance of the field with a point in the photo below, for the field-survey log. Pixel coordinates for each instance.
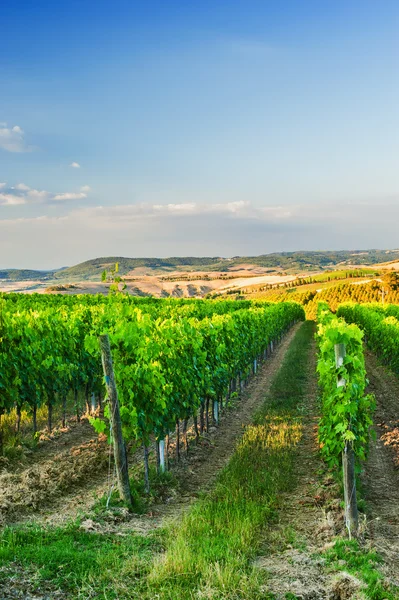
(238, 399)
(190, 277)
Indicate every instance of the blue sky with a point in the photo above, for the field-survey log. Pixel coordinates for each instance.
(206, 128)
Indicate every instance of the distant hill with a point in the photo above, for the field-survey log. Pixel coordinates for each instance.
(25, 275)
(290, 262)
(284, 261)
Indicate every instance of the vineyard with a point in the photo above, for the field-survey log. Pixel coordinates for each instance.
(173, 361)
(158, 401)
(373, 291)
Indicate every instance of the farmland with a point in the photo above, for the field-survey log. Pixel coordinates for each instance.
(235, 431)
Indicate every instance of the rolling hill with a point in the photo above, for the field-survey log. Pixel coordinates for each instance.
(288, 262)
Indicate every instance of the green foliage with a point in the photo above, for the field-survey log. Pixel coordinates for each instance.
(166, 367)
(118, 284)
(346, 409)
(169, 355)
(381, 327)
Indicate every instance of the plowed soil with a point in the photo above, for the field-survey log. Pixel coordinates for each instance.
(381, 476)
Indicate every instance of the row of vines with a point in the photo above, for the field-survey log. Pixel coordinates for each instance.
(381, 327)
(346, 409)
(173, 360)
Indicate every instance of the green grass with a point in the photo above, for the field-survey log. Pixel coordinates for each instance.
(362, 563)
(73, 559)
(161, 485)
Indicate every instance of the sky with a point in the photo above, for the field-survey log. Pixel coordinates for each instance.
(212, 128)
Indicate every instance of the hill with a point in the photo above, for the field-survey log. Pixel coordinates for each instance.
(25, 275)
(287, 262)
(291, 262)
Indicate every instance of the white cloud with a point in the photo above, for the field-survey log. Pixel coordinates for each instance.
(12, 139)
(11, 200)
(75, 165)
(2, 185)
(38, 195)
(70, 196)
(22, 187)
(85, 188)
(23, 194)
(203, 230)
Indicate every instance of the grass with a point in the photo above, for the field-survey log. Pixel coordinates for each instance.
(363, 564)
(72, 559)
(161, 485)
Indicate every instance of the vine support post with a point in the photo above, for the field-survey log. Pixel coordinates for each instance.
(116, 424)
(64, 401)
(1, 432)
(348, 460)
(162, 465)
(34, 418)
(216, 412)
(93, 403)
(146, 469)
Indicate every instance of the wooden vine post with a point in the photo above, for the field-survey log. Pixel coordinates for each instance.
(116, 424)
(348, 461)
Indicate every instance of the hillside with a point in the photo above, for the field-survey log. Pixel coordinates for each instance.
(292, 262)
(279, 262)
(25, 275)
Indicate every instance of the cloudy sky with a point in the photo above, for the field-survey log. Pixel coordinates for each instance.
(153, 128)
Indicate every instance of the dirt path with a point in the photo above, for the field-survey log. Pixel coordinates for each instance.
(309, 514)
(381, 476)
(206, 460)
(63, 478)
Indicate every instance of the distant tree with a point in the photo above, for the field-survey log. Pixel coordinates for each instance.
(118, 285)
(391, 281)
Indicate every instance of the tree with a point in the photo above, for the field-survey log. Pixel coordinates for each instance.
(118, 285)
(391, 281)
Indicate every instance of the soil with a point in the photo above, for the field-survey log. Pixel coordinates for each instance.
(381, 474)
(56, 469)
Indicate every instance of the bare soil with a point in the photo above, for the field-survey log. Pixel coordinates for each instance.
(56, 469)
(381, 474)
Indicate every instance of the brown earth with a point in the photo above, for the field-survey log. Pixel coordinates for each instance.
(185, 285)
(381, 475)
(56, 469)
